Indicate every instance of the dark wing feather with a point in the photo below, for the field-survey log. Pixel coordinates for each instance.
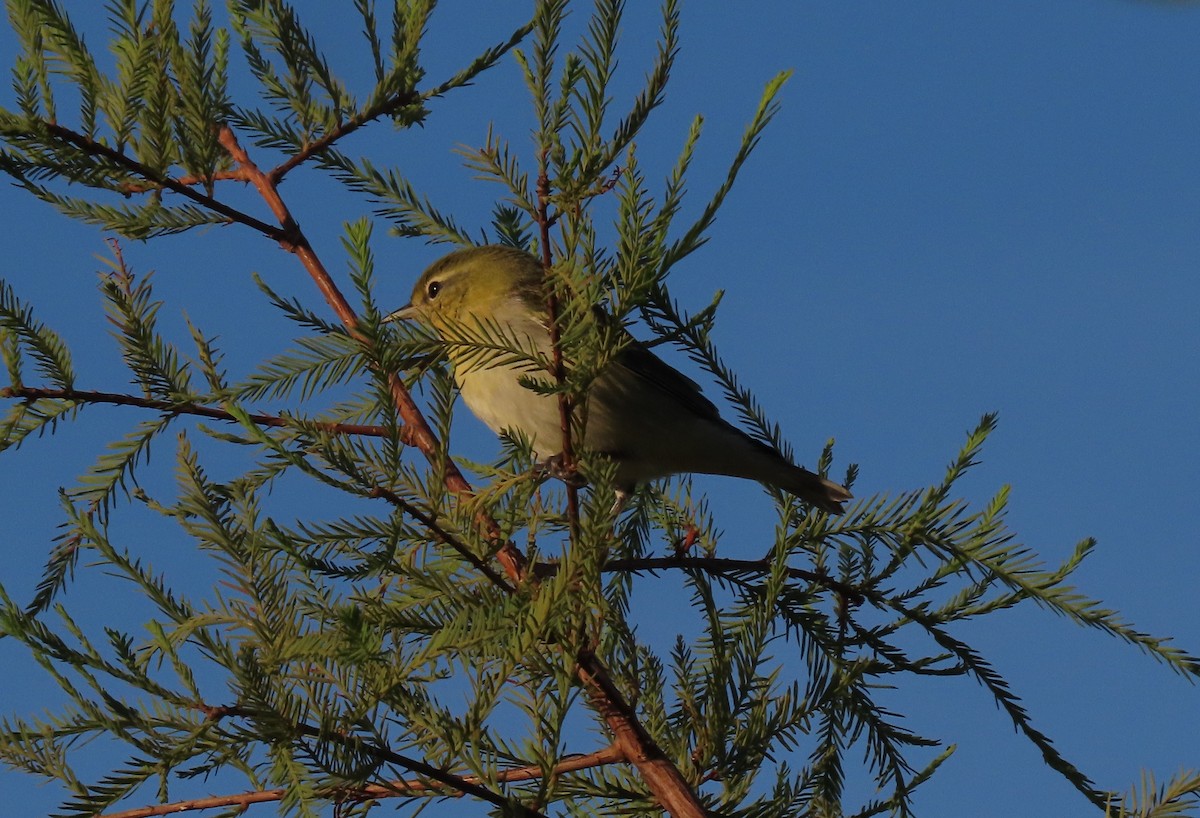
(645, 364)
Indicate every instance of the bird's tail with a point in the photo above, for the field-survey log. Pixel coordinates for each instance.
(737, 454)
(813, 488)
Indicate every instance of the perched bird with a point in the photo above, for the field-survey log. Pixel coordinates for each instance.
(648, 417)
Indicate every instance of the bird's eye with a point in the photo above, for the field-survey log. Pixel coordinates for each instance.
(433, 289)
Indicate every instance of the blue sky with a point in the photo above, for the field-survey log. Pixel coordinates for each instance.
(959, 209)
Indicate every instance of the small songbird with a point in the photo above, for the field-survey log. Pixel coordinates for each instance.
(649, 418)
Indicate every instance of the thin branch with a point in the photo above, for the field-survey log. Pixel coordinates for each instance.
(722, 566)
(219, 176)
(390, 789)
(557, 366)
(351, 125)
(94, 148)
(169, 407)
(431, 523)
(454, 782)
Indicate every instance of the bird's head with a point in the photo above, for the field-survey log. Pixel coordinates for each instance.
(474, 285)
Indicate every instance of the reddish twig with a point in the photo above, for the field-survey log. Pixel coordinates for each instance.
(640, 749)
(219, 176)
(558, 367)
(689, 540)
(390, 789)
(133, 166)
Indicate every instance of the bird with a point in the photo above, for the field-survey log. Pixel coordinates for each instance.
(641, 412)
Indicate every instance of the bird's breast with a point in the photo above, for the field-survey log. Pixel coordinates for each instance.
(497, 397)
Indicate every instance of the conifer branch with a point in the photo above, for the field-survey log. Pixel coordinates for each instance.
(465, 785)
(86, 396)
(340, 630)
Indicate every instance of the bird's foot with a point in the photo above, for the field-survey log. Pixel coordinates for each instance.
(554, 466)
(620, 499)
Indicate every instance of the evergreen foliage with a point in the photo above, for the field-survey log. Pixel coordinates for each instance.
(436, 641)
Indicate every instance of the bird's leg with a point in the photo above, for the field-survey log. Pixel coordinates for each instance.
(620, 498)
(553, 466)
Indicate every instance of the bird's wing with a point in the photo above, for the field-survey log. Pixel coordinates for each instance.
(645, 364)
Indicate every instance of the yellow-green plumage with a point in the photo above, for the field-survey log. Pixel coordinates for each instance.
(648, 417)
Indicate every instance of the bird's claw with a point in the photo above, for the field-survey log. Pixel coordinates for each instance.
(555, 467)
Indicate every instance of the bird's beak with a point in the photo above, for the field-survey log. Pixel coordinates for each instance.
(405, 313)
